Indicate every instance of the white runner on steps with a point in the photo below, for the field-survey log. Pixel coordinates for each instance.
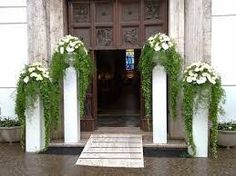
(113, 150)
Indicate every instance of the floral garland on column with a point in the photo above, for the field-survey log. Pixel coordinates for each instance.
(34, 81)
(200, 77)
(70, 45)
(159, 49)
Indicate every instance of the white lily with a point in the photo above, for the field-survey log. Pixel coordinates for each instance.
(26, 79)
(69, 49)
(189, 79)
(201, 80)
(31, 69)
(39, 78)
(33, 75)
(157, 47)
(164, 46)
(62, 50)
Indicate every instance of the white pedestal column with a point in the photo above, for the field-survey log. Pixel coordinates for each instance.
(159, 104)
(71, 107)
(35, 130)
(200, 131)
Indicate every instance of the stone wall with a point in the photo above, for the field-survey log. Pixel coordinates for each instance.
(46, 24)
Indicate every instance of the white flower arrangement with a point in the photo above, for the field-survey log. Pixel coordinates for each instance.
(34, 72)
(69, 44)
(160, 42)
(200, 73)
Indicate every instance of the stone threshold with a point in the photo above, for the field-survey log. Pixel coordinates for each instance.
(171, 144)
(146, 137)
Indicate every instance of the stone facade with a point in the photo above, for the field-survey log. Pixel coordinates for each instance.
(189, 25)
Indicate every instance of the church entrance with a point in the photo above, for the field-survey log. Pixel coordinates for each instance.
(118, 88)
(108, 28)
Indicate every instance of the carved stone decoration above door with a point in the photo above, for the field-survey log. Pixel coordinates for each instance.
(152, 10)
(104, 37)
(81, 13)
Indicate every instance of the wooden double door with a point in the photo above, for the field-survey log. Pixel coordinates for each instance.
(112, 25)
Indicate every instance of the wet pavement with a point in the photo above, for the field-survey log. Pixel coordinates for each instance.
(13, 161)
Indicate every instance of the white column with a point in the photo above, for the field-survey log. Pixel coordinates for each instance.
(71, 107)
(159, 105)
(200, 131)
(35, 129)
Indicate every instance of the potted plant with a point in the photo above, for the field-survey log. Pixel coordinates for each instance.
(159, 50)
(227, 134)
(203, 97)
(9, 130)
(71, 51)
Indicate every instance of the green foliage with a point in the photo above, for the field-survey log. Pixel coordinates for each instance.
(27, 93)
(7, 122)
(227, 126)
(83, 65)
(171, 60)
(197, 95)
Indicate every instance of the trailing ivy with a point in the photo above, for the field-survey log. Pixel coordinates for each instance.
(202, 89)
(70, 46)
(159, 50)
(34, 83)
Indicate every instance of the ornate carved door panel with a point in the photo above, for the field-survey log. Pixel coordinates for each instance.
(116, 24)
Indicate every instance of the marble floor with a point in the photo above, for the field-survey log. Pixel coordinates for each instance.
(15, 162)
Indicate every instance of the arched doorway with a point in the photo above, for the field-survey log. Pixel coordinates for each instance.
(112, 27)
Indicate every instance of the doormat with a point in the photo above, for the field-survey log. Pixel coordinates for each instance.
(113, 150)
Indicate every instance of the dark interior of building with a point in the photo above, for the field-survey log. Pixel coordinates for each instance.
(118, 88)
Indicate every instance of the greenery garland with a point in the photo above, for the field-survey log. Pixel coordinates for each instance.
(202, 86)
(159, 49)
(33, 83)
(70, 46)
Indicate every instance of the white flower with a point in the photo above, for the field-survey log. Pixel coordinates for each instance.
(166, 38)
(157, 48)
(69, 49)
(194, 78)
(151, 43)
(56, 50)
(62, 50)
(201, 80)
(72, 44)
(212, 80)
(40, 68)
(190, 72)
(170, 44)
(151, 38)
(26, 79)
(39, 78)
(66, 40)
(189, 79)
(61, 43)
(46, 75)
(197, 69)
(31, 69)
(164, 46)
(33, 75)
